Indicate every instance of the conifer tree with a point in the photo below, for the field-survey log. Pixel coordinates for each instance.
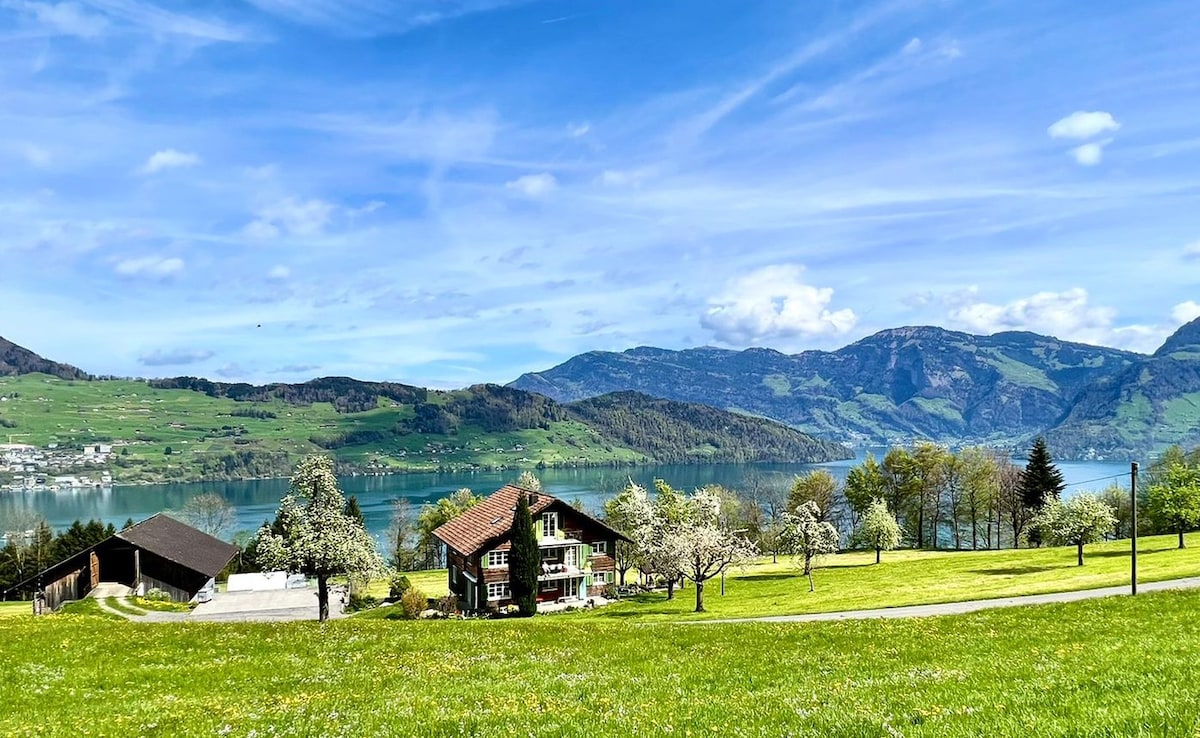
(1042, 481)
(524, 559)
(354, 512)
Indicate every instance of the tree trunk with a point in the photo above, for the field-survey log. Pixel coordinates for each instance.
(699, 596)
(323, 597)
(670, 589)
(974, 531)
(921, 524)
(623, 577)
(1081, 554)
(811, 587)
(1181, 536)
(876, 555)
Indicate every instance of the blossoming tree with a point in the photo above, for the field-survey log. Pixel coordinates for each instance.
(317, 537)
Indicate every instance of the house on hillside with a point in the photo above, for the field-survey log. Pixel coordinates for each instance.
(157, 553)
(576, 550)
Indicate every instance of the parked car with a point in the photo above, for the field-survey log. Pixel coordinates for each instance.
(297, 581)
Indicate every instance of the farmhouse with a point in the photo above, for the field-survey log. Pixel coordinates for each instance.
(157, 553)
(576, 550)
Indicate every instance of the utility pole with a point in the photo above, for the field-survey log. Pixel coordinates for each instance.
(1133, 474)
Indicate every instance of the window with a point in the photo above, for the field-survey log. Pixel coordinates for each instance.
(498, 591)
(549, 525)
(497, 558)
(572, 557)
(599, 548)
(551, 555)
(549, 586)
(600, 577)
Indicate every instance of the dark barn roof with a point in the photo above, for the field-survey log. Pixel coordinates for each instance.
(492, 518)
(181, 544)
(160, 535)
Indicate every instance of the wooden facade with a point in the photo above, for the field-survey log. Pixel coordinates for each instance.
(576, 551)
(158, 553)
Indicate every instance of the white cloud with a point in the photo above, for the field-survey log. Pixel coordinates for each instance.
(534, 185)
(150, 266)
(774, 304)
(1186, 312)
(1192, 250)
(297, 217)
(278, 273)
(1083, 125)
(174, 357)
(67, 18)
(1066, 314)
(1089, 154)
(578, 130)
(168, 159)
(35, 155)
(367, 209)
(912, 46)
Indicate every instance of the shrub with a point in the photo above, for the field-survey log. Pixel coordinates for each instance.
(609, 592)
(398, 586)
(361, 602)
(448, 605)
(413, 602)
(156, 595)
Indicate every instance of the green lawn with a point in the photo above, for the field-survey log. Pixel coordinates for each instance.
(1114, 667)
(853, 581)
(15, 609)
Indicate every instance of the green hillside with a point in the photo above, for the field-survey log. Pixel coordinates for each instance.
(165, 433)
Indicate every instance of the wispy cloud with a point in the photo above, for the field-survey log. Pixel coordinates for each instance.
(168, 159)
(534, 185)
(154, 19)
(377, 17)
(1082, 125)
(150, 266)
(174, 357)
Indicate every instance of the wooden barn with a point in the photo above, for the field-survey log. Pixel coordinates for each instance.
(157, 553)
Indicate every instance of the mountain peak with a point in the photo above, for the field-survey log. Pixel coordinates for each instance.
(1187, 337)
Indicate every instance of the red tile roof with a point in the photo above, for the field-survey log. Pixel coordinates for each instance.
(492, 517)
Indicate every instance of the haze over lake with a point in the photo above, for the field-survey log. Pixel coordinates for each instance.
(256, 500)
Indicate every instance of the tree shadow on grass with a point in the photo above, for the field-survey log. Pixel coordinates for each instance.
(1014, 570)
(766, 577)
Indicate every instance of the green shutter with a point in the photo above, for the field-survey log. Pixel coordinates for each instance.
(586, 552)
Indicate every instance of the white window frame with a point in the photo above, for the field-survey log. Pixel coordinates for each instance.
(550, 586)
(549, 524)
(599, 548)
(570, 556)
(497, 559)
(600, 577)
(552, 555)
(498, 591)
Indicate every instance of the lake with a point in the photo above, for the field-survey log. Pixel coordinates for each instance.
(256, 500)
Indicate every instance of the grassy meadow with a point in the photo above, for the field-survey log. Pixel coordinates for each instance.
(1118, 666)
(851, 581)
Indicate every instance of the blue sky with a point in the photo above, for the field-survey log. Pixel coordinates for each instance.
(445, 192)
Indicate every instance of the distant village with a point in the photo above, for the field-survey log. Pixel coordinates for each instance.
(32, 468)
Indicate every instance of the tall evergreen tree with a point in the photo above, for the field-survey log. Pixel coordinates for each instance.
(354, 512)
(524, 559)
(1041, 481)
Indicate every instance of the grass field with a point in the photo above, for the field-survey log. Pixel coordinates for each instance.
(1114, 667)
(852, 581)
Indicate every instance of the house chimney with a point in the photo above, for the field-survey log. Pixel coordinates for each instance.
(532, 499)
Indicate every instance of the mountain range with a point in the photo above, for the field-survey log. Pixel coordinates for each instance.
(925, 382)
(188, 428)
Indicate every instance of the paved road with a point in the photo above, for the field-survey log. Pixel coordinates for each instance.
(242, 607)
(958, 608)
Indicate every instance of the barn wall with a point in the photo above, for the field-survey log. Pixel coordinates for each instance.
(71, 586)
(179, 582)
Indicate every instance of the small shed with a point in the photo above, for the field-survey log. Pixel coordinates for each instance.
(157, 553)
